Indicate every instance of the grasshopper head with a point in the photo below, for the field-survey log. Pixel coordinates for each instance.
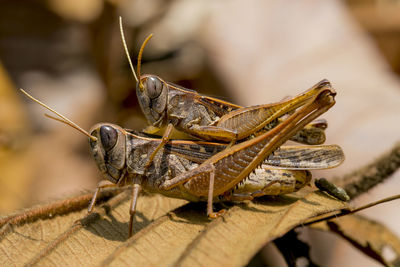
(107, 141)
(108, 149)
(152, 93)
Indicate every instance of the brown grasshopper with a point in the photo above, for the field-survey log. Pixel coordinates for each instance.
(121, 158)
(209, 118)
(227, 168)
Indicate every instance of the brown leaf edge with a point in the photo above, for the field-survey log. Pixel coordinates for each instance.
(344, 212)
(368, 236)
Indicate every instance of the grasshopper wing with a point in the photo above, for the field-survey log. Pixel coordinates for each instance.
(286, 157)
(306, 157)
(196, 151)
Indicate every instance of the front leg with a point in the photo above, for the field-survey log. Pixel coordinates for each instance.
(135, 194)
(100, 185)
(165, 139)
(184, 177)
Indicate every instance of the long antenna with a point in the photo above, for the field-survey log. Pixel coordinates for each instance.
(139, 62)
(69, 124)
(126, 49)
(64, 119)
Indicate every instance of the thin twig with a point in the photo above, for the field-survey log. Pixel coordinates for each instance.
(344, 212)
(363, 179)
(55, 208)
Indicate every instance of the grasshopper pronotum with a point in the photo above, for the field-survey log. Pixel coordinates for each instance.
(121, 157)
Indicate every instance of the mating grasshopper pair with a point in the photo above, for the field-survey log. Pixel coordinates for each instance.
(200, 170)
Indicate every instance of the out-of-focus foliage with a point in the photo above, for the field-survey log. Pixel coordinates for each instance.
(15, 165)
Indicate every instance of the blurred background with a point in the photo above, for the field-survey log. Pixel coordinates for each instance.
(68, 53)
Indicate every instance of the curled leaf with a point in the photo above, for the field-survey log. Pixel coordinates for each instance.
(370, 237)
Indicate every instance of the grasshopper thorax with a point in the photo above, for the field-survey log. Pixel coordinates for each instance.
(108, 149)
(152, 93)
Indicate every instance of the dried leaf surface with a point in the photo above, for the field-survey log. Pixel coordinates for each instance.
(167, 232)
(184, 237)
(370, 237)
(63, 240)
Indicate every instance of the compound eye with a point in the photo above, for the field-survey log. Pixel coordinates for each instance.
(154, 87)
(108, 136)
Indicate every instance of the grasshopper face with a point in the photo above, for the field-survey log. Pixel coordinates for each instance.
(152, 93)
(109, 150)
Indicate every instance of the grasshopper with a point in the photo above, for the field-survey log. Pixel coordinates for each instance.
(227, 168)
(121, 156)
(167, 104)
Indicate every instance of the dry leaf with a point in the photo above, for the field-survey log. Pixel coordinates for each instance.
(166, 234)
(64, 240)
(370, 237)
